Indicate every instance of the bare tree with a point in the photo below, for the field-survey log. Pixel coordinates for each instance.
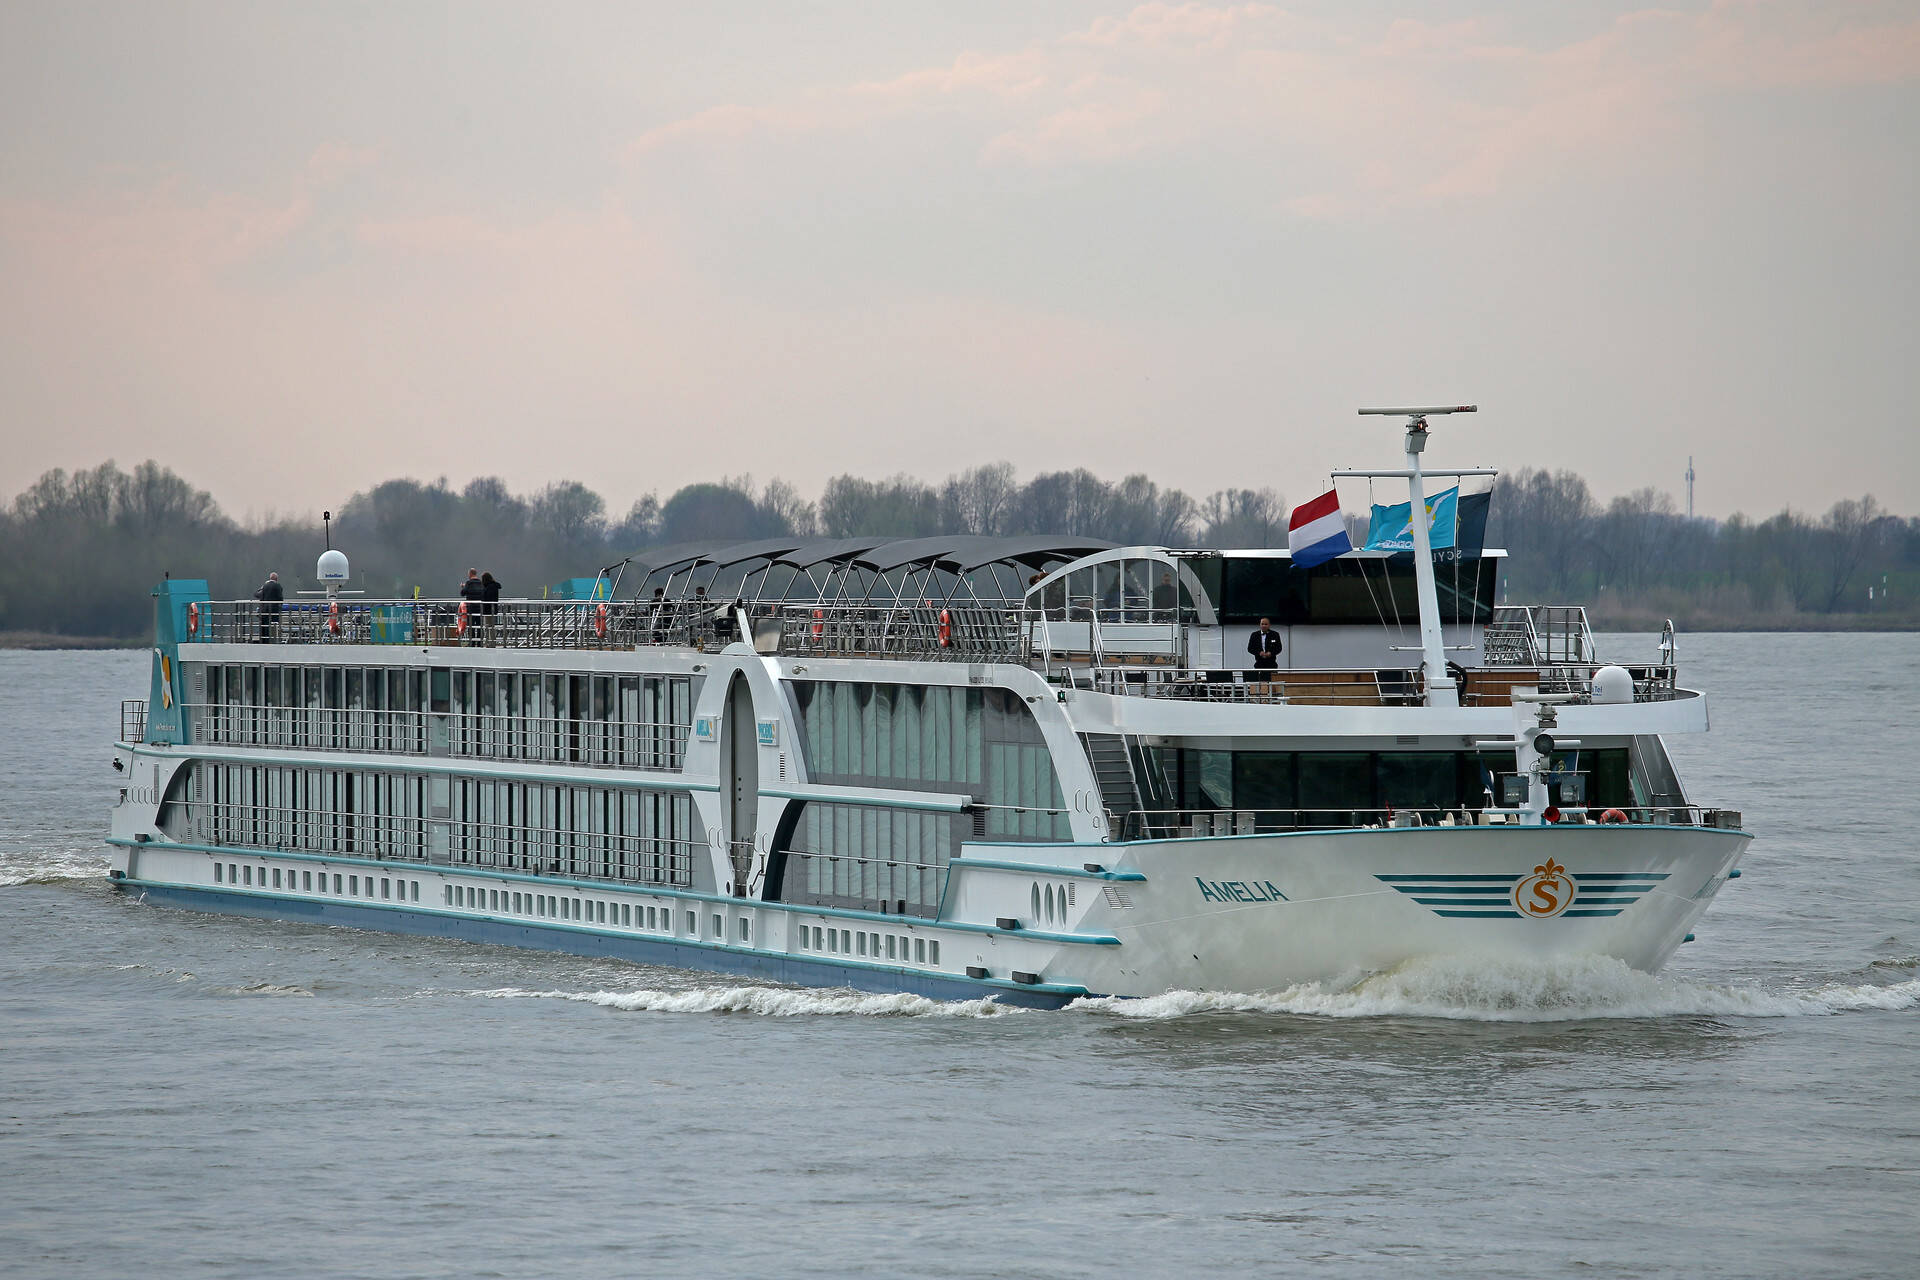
(1244, 518)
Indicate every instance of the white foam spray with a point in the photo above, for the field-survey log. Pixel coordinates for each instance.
(1486, 989)
(1460, 987)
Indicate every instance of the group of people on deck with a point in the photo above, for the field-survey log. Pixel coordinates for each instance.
(481, 592)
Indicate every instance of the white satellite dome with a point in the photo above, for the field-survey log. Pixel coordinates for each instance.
(332, 566)
(1612, 686)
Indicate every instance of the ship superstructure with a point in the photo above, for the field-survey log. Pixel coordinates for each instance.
(1033, 768)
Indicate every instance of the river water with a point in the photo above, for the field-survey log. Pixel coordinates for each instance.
(195, 1095)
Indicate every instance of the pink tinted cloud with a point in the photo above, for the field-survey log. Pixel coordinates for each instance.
(1406, 111)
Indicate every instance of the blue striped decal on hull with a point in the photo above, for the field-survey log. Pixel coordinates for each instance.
(1483, 896)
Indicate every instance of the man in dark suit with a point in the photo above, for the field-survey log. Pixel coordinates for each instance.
(1264, 645)
(270, 595)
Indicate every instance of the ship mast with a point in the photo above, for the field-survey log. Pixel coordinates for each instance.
(1441, 691)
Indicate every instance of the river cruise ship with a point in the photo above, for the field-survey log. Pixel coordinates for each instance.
(1027, 768)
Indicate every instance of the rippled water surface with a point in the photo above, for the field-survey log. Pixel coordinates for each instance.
(194, 1095)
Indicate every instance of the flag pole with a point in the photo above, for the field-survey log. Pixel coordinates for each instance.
(1441, 691)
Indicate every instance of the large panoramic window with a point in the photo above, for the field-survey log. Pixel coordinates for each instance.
(982, 743)
(979, 743)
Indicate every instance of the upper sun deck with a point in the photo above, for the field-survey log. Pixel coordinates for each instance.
(1124, 650)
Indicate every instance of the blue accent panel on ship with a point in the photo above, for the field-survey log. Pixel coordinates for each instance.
(768, 965)
(171, 601)
(581, 589)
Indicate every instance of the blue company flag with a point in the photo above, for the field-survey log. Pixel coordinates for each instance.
(1391, 528)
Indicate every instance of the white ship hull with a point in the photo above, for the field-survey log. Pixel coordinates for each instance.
(1247, 913)
(1259, 913)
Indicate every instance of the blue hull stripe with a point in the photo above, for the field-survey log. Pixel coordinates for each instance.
(766, 965)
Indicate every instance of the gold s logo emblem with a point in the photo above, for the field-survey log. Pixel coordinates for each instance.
(1546, 893)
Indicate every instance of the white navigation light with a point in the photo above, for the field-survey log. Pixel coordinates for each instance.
(1612, 686)
(332, 566)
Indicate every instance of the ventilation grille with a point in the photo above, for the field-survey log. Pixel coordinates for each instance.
(1117, 897)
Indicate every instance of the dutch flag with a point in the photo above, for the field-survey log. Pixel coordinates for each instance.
(1317, 533)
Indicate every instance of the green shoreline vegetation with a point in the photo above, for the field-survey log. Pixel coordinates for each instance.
(83, 549)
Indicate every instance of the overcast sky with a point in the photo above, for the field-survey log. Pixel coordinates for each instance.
(290, 250)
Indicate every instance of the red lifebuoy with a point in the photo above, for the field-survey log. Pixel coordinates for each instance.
(946, 630)
(600, 619)
(193, 618)
(1613, 817)
(333, 616)
(460, 619)
(819, 623)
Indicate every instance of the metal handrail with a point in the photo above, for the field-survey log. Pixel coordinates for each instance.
(512, 624)
(919, 632)
(133, 719)
(1154, 824)
(1358, 687)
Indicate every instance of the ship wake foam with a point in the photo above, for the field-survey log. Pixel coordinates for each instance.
(1458, 987)
(57, 870)
(772, 1002)
(1487, 989)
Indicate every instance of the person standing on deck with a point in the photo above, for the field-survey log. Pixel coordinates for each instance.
(270, 596)
(490, 605)
(472, 592)
(1265, 647)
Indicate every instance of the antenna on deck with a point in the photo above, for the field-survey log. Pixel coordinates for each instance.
(1417, 420)
(332, 568)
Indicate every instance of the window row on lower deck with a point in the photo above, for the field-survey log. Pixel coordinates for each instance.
(345, 884)
(861, 944)
(582, 832)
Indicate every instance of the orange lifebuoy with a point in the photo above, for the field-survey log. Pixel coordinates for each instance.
(333, 616)
(460, 619)
(600, 619)
(193, 618)
(946, 630)
(1613, 817)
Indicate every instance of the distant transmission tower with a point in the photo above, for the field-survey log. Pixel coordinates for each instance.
(1689, 486)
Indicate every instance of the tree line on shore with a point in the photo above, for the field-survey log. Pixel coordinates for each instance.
(85, 548)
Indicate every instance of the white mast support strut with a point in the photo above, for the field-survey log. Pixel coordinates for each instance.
(1441, 691)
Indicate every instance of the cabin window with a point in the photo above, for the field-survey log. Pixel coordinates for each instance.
(693, 927)
(306, 881)
(217, 877)
(933, 951)
(1417, 780)
(746, 930)
(1261, 779)
(919, 950)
